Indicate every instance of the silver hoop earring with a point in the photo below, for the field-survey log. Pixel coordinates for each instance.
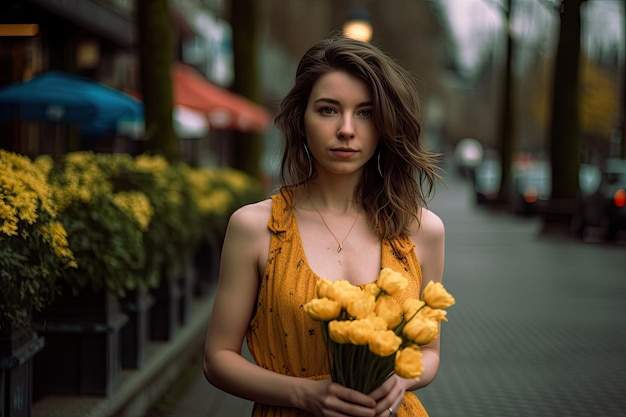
(308, 156)
(380, 171)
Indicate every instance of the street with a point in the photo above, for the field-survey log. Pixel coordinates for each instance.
(539, 327)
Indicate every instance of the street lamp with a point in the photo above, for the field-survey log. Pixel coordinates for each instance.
(358, 26)
(19, 29)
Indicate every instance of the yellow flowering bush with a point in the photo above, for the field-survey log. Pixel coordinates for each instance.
(190, 204)
(105, 228)
(174, 229)
(243, 188)
(33, 242)
(216, 193)
(370, 335)
(209, 201)
(119, 222)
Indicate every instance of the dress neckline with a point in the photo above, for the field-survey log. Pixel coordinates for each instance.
(298, 240)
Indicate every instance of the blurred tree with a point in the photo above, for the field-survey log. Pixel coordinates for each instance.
(565, 121)
(156, 41)
(507, 119)
(599, 103)
(246, 21)
(622, 148)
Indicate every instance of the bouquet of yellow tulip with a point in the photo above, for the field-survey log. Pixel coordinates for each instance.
(369, 335)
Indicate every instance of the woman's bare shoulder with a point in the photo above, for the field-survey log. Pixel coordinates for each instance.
(431, 222)
(429, 240)
(251, 217)
(430, 226)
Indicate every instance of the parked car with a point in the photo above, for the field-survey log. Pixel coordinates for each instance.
(487, 180)
(531, 187)
(603, 205)
(529, 181)
(468, 154)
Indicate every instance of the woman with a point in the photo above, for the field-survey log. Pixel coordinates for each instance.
(351, 202)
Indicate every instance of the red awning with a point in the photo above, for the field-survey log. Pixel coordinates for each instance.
(224, 109)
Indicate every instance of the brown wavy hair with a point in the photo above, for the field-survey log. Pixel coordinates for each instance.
(392, 201)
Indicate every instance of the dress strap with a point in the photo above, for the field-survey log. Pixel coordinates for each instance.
(282, 212)
(402, 245)
(399, 254)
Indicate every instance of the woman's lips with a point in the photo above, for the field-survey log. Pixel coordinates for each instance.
(344, 152)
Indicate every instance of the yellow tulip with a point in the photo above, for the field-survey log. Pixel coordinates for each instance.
(377, 322)
(361, 306)
(359, 332)
(321, 287)
(433, 314)
(384, 343)
(338, 331)
(389, 310)
(408, 363)
(322, 309)
(410, 307)
(421, 331)
(391, 282)
(372, 288)
(436, 296)
(343, 292)
(343, 285)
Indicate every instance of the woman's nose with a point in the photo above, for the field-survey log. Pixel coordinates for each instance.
(346, 129)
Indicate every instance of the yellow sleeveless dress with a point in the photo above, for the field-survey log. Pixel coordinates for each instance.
(281, 336)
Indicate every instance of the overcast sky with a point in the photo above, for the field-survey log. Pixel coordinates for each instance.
(474, 24)
(477, 24)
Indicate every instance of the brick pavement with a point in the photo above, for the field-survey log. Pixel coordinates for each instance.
(539, 327)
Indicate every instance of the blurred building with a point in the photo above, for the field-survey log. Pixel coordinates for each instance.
(94, 39)
(87, 37)
(416, 33)
(98, 39)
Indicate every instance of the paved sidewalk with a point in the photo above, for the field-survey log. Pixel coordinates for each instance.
(539, 328)
(201, 399)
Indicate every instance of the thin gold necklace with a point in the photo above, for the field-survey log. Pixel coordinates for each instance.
(339, 244)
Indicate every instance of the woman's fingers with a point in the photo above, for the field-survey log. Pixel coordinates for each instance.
(389, 395)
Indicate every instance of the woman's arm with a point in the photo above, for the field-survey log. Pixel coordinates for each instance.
(245, 249)
(430, 249)
(429, 243)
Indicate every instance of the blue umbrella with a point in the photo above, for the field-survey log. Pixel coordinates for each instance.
(58, 97)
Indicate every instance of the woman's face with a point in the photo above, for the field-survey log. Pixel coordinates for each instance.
(339, 125)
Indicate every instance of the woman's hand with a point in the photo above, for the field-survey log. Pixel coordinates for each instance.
(389, 396)
(329, 399)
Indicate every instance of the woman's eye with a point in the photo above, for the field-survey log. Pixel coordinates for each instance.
(327, 110)
(365, 113)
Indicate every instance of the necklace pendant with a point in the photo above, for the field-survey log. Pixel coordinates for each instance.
(339, 248)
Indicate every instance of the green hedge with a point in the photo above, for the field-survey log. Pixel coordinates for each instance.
(109, 221)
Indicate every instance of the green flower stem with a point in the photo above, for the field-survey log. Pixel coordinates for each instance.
(401, 326)
(355, 366)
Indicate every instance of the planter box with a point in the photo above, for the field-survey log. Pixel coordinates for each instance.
(17, 349)
(187, 283)
(172, 302)
(165, 312)
(206, 264)
(82, 353)
(134, 336)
